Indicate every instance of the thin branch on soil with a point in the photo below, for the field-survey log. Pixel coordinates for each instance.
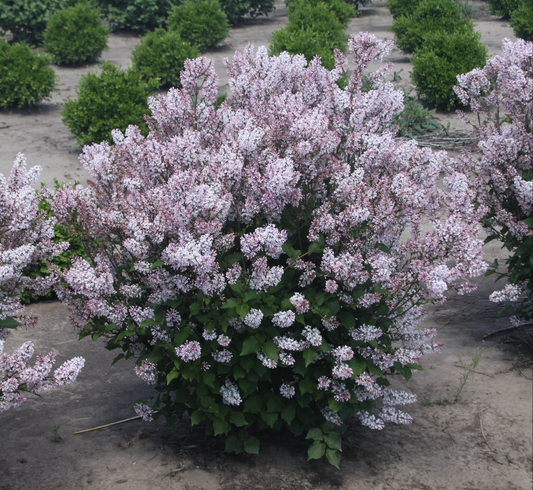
(108, 425)
(506, 330)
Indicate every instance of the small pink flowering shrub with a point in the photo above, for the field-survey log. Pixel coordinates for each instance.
(25, 238)
(501, 95)
(266, 261)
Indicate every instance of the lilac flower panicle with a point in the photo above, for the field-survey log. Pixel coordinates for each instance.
(189, 351)
(230, 393)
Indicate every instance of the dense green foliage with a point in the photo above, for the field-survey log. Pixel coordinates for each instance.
(112, 100)
(308, 13)
(442, 58)
(75, 35)
(201, 23)
(430, 16)
(400, 8)
(236, 9)
(308, 42)
(505, 7)
(137, 15)
(161, 55)
(25, 77)
(315, 28)
(27, 19)
(522, 20)
(62, 261)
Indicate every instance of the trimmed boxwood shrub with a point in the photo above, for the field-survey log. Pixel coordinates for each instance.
(306, 13)
(308, 42)
(137, 15)
(75, 35)
(313, 29)
(199, 22)
(27, 19)
(25, 77)
(400, 8)
(522, 21)
(161, 55)
(237, 9)
(430, 16)
(112, 100)
(443, 57)
(505, 7)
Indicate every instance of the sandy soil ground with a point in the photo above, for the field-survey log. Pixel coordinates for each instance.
(481, 442)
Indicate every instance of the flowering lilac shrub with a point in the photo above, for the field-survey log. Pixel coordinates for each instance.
(266, 261)
(501, 96)
(25, 238)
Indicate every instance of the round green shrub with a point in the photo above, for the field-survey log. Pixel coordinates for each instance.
(430, 16)
(522, 21)
(162, 55)
(112, 100)
(400, 8)
(443, 57)
(313, 29)
(237, 9)
(27, 19)
(136, 15)
(307, 13)
(75, 35)
(25, 77)
(199, 22)
(505, 7)
(308, 42)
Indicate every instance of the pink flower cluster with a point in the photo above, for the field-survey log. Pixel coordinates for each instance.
(25, 238)
(16, 376)
(501, 96)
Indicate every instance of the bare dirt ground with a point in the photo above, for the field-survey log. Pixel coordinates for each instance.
(481, 442)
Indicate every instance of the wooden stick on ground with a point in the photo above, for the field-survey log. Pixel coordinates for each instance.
(109, 425)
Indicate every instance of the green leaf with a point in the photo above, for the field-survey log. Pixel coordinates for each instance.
(251, 445)
(316, 450)
(347, 319)
(247, 363)
(209, 378)
(269, 418)
(197, 416)
(250, 346)
(307, 386)
(334, 405)
(250, 295)
(146, 323)
(288, 413)
(309, 356)
(333, 440)
(231, 303)
(182, 336)
(220, 426)
(357, 365)
(9, 322)
(172, 375)
(157, 263)
(274, 405)
(253, 404)
(238, 372)
(271, 349)
(333, 457)
(238, 419)
(316, 434)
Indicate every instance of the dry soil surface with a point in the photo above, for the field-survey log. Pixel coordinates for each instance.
(482, 441)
